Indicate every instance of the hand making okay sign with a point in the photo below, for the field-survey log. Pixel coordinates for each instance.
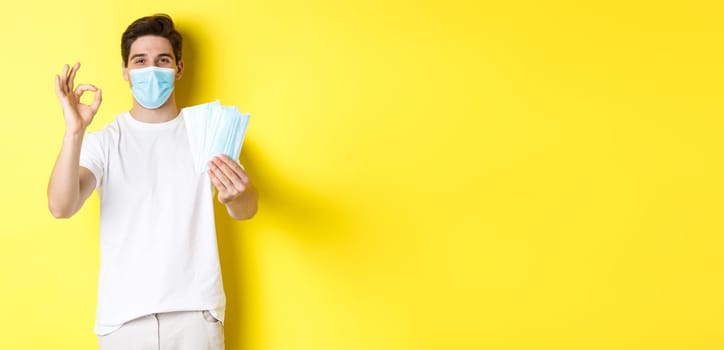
(77, 115)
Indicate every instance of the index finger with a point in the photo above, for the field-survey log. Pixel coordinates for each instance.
(83, 88)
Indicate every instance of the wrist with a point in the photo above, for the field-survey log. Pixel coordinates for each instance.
(74, 134)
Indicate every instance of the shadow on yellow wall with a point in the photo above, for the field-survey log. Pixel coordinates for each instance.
(300, 213)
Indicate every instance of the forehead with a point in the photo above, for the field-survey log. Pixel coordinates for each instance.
(151, 44)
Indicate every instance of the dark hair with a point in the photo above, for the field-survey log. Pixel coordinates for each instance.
(159, 24)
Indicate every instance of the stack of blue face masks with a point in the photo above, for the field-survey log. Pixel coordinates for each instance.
(214, 129)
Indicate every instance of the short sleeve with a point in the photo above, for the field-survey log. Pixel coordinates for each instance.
(93, 156)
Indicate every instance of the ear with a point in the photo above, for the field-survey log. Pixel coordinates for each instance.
(124, 71)
(179, 69)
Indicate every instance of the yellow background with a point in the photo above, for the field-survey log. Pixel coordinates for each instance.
(433, 174)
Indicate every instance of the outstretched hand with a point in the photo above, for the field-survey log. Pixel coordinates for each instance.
(230, 180)
(77, 115)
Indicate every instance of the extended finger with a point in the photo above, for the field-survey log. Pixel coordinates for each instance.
(71, 77)
(58, 91)
(235, 167)
(63, 80)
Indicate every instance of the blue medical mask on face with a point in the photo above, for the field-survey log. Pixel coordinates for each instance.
(152, 86)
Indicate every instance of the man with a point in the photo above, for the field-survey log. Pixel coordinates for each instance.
(160, 284)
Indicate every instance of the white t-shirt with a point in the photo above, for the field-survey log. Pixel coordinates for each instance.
(158, 247)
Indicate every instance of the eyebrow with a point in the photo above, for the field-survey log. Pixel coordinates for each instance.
(144, 55)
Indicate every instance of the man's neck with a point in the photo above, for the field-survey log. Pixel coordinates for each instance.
(162, 114)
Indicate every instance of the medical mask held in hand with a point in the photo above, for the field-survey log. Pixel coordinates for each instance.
(152, 86)
(214, 129)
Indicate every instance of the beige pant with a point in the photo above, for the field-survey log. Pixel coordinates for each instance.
(182, 330)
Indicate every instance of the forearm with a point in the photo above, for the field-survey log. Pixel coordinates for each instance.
(64, 186)
(245, 206)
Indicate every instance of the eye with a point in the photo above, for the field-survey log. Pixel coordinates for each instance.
(138, 61)
(165, 60)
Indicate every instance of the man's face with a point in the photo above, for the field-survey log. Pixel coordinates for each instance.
(151, 50)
